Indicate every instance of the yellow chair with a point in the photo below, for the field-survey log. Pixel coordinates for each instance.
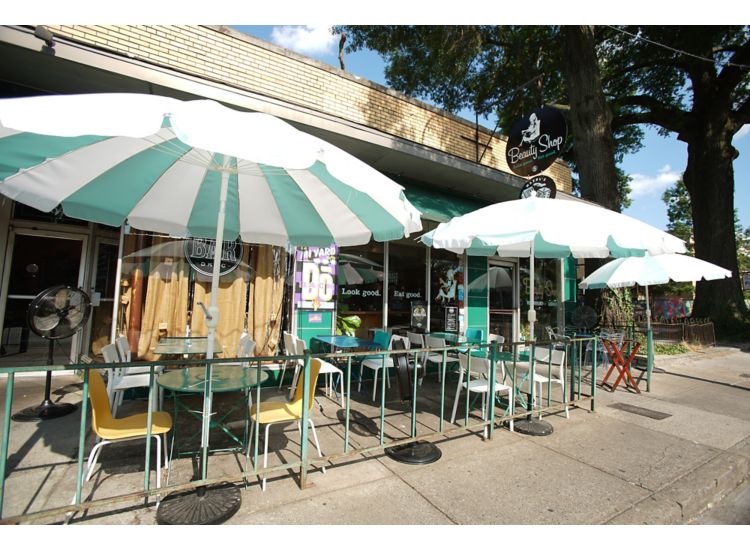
(111, 429)
(273, 412)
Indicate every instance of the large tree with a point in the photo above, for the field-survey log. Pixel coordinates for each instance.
(693, 81)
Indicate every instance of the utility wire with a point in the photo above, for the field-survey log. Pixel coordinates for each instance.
(681, 52)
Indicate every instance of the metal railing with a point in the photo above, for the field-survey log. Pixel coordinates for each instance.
(426, 400)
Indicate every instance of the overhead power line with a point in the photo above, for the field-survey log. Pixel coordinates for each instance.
(678, 51)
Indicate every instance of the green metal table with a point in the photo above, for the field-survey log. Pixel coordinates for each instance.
(224, 379)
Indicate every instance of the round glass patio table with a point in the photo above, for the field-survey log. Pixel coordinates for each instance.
(192, 380)
(223, 379)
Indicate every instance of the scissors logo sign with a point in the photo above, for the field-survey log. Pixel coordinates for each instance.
(535, 141)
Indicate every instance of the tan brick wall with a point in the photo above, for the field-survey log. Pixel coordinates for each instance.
(250, 64)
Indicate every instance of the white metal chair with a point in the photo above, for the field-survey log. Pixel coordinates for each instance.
(549, 368)
(326, 368)
(416, 341)
(480, 382)
(376, 363)
(125, 378)
(290, 348)
(437, 357)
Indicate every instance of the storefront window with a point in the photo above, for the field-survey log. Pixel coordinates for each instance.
(446, 291)
(360, 279)
(406, 281)
(164, 279)
(546, 285)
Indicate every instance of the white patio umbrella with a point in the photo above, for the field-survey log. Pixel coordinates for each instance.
(652, 270)
(549, 228)
(193, 168)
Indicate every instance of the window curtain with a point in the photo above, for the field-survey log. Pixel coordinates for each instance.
(267, 298)
(232, 303)
(165, 304)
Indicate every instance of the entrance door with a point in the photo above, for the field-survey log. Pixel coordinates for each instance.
(37, 261)
(503, 300)
(102, 292)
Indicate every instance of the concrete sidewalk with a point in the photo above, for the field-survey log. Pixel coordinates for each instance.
(658, 458)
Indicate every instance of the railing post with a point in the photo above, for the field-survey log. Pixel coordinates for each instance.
(82, 433)
(6, 437)
(149, 419)
(594, 355)
(305, 419)
(491, 393)
(348, 402)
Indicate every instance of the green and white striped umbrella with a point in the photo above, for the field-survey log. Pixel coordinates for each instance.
(193, 168)
(156, 162)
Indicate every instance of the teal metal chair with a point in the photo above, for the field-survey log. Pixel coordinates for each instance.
(377, 362)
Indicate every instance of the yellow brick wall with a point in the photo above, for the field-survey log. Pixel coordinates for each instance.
(227, 56)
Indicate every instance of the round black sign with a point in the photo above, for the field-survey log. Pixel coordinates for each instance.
(535, 141)
(540, 186)
(200, 255)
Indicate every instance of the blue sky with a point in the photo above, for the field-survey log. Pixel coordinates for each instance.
(654, 168)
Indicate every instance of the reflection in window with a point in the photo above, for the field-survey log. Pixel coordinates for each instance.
(406, 280)
(545, 294)
(446, 291)
(360, 285)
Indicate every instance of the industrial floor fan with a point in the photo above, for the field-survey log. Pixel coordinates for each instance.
(54, 314)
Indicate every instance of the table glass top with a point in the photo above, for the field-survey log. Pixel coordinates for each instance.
(190, 345)
(343, 341)
(223, 379)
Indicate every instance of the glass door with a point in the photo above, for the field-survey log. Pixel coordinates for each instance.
(102, 295)
(503, 299)
(38, 261)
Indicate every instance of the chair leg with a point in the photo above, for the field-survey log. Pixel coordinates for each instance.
(315, 439)
(94, 457)
(283, 372)
(375, 384)
(359, 384)
(265, 455)
(295, 380)
(458, 394)
(341, 387)
(564, 398)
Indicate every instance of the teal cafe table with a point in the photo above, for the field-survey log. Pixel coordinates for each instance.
(224, 379)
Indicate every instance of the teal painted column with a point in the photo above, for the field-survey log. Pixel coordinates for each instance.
(475, 285)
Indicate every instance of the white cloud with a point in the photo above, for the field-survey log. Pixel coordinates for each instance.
(306, 40)
(644, 186)
(745, 130)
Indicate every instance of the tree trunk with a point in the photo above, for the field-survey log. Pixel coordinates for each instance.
(590, 118)
(709, 178)
(591, 125)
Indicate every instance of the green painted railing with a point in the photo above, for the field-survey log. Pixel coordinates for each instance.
(578, 351)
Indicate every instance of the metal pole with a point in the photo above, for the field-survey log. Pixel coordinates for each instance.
(6, 436)
(304, 420)
(649, 344)
(82, 433)
(118, 276)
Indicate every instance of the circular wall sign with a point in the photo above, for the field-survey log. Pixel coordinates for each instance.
(540, 186)
(199, 253)
(535, 141)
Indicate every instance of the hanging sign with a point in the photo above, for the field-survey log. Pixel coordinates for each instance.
(539, 186)
(199, 253)
(535, 141)
(314, 278)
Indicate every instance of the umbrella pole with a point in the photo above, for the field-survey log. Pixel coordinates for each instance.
(206, 505)
(649, 343)
(530, 425)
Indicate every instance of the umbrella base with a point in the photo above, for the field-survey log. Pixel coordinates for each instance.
(211, 505)
(533, 426)
(416, 452)
(45, 411)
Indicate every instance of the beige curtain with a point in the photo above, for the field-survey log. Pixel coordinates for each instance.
(232, 301)
(165, 304)
(266, 298)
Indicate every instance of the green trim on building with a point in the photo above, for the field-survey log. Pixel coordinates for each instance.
(476, 299)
